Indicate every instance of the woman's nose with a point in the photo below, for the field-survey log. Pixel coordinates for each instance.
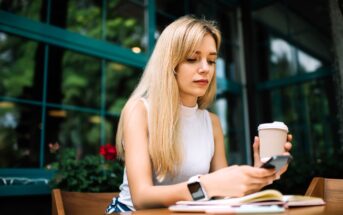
(204, 66)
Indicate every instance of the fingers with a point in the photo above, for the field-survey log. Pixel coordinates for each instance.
(243, 180)
(256, 142)
(288, 146)
(256, 172)
(256, 154)
(256, 146)
(264, 180)
(256, 184)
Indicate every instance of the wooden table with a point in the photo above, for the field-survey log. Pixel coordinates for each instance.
(328, 209)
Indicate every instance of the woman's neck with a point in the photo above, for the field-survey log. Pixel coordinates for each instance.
(189, 102)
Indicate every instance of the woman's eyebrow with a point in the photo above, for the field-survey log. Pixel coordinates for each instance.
(211, 53)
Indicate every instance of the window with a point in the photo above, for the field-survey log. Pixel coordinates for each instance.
(287, 60)
(64, 80)
(18, 65)
(308, 115)
(29, 9)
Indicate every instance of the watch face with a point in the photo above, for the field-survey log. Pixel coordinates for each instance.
(196, 191)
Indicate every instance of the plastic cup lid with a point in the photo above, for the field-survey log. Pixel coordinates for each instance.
(275, 124)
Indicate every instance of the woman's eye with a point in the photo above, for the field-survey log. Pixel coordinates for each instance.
(211, 62)
(191, 60)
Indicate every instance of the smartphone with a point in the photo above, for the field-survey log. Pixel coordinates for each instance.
(277, 162)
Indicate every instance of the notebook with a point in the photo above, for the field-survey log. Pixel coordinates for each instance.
(262, 198)
(220, 209)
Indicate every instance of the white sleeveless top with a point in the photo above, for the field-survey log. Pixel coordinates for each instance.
(197, 147)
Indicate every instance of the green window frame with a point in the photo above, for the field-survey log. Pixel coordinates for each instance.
(54, 36)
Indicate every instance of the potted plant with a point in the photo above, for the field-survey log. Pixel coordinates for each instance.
(92, 173)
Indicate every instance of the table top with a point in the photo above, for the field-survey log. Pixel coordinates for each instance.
(328, 209)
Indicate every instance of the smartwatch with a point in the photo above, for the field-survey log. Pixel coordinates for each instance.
(196, 189)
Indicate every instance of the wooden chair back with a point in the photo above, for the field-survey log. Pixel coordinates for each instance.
(331, 190)
(79, 203)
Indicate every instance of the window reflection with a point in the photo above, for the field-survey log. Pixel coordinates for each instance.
(20, 129)
(84, 17)
(29, 9)
(75, 80)
(282, 58)
(75, 129)
(111, 124)
(125, 25)
(307, 62)
(171, 8)
(309, 116)
(120, 83)
(17, 63)
(229, 108)
(287, 60)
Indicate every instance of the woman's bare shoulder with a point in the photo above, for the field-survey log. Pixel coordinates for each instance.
(215, 119)
(135, 128)
(216, 126)
(134, 106)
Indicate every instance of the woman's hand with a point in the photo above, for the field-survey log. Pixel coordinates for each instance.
(257, 159)
(237, 181)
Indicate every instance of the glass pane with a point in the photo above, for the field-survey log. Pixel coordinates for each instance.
(282, 62)
(84, 17)
(229, 50)
(29, 9)
(125, 25)
(78, 82)
(309, 111)
(19, 75)
(171, 8)
(161, 23)
(111, 123)
(79, 130)
(308, 63)
(286, 60)
(20, 130)
(120, 82)
(203, 8)
(309, 116)
(229, 110)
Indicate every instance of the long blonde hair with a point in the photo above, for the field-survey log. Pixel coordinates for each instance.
(158, 85)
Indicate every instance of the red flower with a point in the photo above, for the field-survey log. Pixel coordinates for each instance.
(108, 151)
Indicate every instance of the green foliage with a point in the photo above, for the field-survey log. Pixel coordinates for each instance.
(16, 65)
(90, 174)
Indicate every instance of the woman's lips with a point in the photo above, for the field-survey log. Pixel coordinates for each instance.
(201, 82)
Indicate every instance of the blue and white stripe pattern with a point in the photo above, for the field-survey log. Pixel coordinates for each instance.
(116, 206)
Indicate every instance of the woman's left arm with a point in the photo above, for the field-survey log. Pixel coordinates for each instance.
(219, 160)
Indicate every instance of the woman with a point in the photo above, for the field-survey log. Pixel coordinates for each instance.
(172, 146)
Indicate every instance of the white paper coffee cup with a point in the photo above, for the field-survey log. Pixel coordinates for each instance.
(273, 137)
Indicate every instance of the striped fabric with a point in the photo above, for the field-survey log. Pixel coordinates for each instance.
(116, 206)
